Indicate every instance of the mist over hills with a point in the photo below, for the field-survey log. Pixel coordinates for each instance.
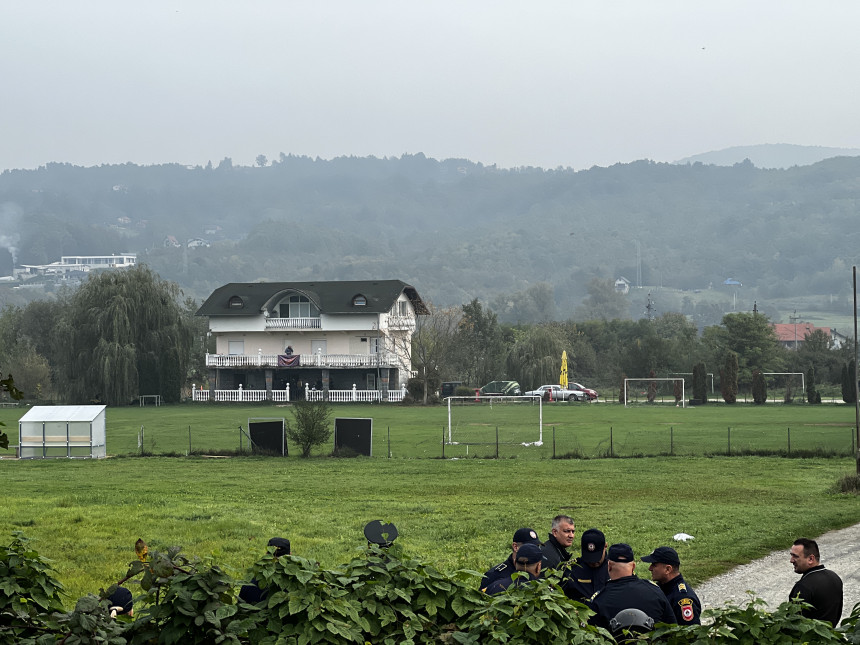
(771, 155)
(527, 241)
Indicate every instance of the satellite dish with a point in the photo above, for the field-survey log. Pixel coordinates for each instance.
(378, 532)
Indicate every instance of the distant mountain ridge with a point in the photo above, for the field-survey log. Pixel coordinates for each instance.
(770, 155)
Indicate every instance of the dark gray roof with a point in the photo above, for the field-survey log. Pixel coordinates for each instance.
(329, 297)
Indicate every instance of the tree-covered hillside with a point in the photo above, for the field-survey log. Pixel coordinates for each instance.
(457, 230)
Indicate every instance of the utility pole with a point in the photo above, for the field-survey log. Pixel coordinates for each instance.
(650, 309)
(794, 319)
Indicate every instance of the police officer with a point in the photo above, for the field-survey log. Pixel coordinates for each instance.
(507, 568)
(624, 590)
(529, 559)
(665, 571)
(589, 572)
(555, 549)
(252, 593)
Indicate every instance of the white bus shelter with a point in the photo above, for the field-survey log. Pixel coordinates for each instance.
(73, 431)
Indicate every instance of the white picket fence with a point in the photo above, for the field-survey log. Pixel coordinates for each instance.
(241, 395)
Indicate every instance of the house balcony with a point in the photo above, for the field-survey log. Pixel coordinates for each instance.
(303, 360)
(293, 323)
(401, 322)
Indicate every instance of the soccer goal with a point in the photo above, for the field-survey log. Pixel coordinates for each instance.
(655, 390)
(488, 420)
(782, 386)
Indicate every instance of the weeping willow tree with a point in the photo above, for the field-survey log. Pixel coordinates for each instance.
(123, 334)
(535, 358)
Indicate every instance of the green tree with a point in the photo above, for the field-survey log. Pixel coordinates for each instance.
(700, 383)
(812, 394)
(535, 357)
(310, 426)
(849, 378)
(121, 329)
(759, 388)
(752, 338)
(729, 378)
(479, 345)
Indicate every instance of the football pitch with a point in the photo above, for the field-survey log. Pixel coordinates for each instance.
(458, 512)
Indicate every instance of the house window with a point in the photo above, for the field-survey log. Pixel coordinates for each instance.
(359, 301)
(236, 347)
(298, 307)
(402, 308)
(235, 302)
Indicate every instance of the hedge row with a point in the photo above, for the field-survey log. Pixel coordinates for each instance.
(382, 596)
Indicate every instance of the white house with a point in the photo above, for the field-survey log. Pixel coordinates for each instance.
(272, 337)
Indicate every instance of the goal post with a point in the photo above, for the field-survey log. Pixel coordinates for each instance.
(521, 417)
(800, 374)
(655, 379)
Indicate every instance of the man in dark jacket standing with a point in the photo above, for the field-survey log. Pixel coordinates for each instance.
(666, 571)
(528, 559)
(560, 538)
(589, 572)
(817, 586)
(625, 591)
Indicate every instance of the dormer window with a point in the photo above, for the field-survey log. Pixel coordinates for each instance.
(359, 301)
(235, 302)
(298, 307)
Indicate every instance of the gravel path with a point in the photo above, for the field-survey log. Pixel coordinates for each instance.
(772, 577)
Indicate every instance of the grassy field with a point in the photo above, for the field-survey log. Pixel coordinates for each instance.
(584, 430)
(460, 513)
(86, 515)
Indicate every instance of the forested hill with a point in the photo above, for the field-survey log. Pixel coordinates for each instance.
(455, 229)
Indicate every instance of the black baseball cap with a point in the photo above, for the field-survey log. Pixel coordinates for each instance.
(664, 555)
(529, 554)
(621, 552)
(526, 536)
(282, 546)
(121, 600)
(593, 543)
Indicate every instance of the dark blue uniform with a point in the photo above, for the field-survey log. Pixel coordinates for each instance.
(581, 581)
(503, 570)
(503, 583)
(630, 592)
(684, 601)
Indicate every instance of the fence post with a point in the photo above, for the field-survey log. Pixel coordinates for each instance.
(729, 452)
(671, 440)
(354, 393)
(553, 442)
(789, 441)
(189, 440)
(389, 441)
(611, 444)
(443, 442)
(288, 392)
(497, 442)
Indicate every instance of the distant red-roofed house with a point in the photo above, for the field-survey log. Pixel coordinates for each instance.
(792, 335)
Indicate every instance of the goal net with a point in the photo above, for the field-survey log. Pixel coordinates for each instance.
(489, 420)
(655, 390)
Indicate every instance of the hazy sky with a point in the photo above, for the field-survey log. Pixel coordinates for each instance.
(542, 83)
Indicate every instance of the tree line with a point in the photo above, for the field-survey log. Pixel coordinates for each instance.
(125, 333)
(528, 241)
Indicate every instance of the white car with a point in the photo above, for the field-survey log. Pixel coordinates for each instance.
(559, 393)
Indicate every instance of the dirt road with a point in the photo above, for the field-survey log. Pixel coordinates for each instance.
(772, 577)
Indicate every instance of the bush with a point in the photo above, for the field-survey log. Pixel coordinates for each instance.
(464, 390)
(310, 426)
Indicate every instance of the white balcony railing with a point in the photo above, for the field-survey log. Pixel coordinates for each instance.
(304, 360)
(354, 395)
(401, 322)
(293, 323)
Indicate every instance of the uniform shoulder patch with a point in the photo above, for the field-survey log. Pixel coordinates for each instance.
(682, 586)
(501, 567)
(594, 595)
(687, 612)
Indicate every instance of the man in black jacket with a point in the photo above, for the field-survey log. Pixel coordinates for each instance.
(589, 572)
(560, 538)
(625, 591)
(666, 571)
(817, 586)
(505, 569)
